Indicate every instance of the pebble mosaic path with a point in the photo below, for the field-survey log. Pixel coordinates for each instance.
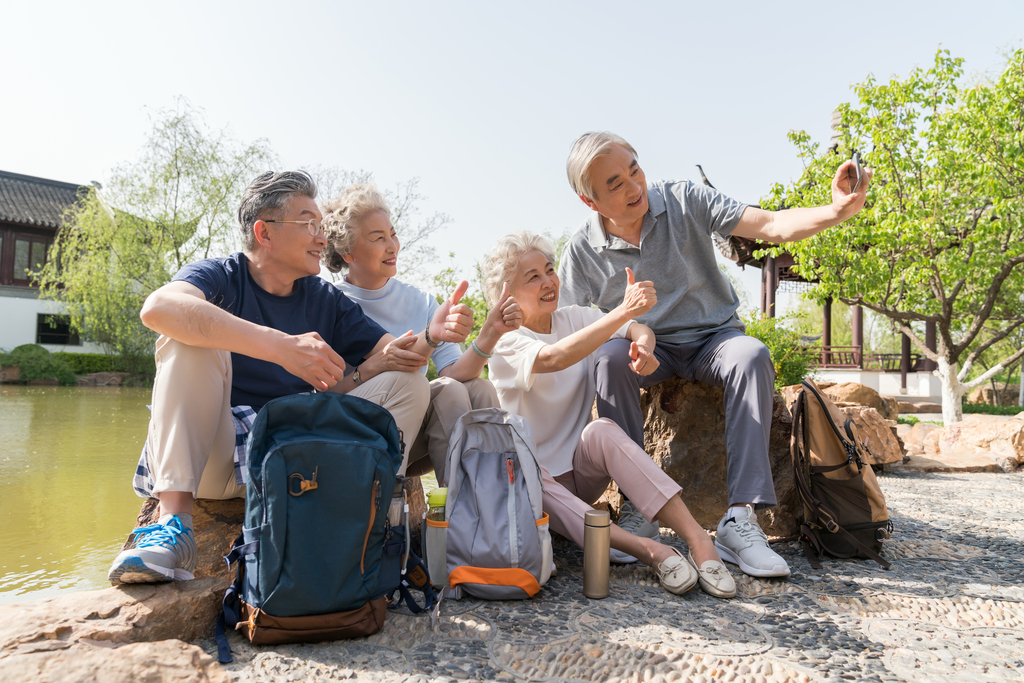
(950, 609)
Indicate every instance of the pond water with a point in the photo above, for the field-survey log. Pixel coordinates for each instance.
(67, 455)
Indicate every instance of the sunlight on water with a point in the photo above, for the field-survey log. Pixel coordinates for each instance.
(67, 455)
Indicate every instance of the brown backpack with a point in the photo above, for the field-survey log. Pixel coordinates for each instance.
(844, 508)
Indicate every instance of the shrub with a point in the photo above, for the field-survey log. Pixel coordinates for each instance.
(986, 409)
(35, 362)
(789, 356)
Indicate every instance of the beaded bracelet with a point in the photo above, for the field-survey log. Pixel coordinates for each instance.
(479, 352)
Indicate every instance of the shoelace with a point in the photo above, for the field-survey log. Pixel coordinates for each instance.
(158, 534)
(749, 531)
(633, 520)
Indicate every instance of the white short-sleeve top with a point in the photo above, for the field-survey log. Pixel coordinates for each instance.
(556, 404)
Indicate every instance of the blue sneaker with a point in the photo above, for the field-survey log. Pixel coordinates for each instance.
(165, 551)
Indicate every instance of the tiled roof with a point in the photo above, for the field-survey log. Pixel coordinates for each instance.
(35, 201)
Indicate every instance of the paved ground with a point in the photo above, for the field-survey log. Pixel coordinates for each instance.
(950, 609)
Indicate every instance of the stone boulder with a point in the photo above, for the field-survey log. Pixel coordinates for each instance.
(1003, 395)
(182, 610)
(878, 435)
(103, 379)
(10, 373)
(168, 661)
(854, 394)
(999, 438)
(684, 432)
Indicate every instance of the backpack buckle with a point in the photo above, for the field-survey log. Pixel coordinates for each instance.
(304, 484)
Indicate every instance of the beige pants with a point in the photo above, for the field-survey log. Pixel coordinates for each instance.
(191, 439)
(449, 400)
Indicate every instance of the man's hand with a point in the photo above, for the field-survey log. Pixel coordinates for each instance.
(311, 359)
(505, 315)
(845, 202)
(452, 322)
(644, 362)
(396, 355)
(640, 296)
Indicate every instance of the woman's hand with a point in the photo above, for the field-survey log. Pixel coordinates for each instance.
(640, 297)
(505, 315)
(644, 362)
(452, 321)
(395, 356)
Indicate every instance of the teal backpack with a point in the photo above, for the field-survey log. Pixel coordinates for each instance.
(318, 558)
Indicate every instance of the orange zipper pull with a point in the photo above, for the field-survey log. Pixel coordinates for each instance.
(511, 478)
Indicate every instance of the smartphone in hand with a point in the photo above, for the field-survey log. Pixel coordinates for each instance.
(856, 167)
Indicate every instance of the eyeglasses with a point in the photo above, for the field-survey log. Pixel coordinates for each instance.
(313, 225)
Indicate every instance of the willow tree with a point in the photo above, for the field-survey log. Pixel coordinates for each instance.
(941, 237)
(174, 205)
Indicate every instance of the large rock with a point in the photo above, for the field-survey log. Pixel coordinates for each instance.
(10, 373)
(1003, 395)
(854, 394)
(999, 438)
(685, 434)
(183, 610)
(168, 661)
(877, 435)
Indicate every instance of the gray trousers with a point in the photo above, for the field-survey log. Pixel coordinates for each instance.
(729, 359)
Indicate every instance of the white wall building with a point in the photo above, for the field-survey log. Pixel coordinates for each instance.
(31, 210)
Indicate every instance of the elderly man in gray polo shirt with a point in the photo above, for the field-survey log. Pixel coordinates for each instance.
(662, 231)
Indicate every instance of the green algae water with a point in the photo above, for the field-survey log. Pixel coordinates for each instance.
(67, 455)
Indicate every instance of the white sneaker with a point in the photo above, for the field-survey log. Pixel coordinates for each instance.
(741, 541)
(632, 521)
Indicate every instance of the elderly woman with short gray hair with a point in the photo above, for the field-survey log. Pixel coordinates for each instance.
(544, 372)
(362, 243)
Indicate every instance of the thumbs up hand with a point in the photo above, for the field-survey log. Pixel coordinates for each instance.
(640, 297)
(505, 315)
(452, 321)
(643, 360)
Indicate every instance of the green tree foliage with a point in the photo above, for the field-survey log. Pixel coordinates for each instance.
(176, 204)
(941, 237)
(418, 256)
(35, 362)
(790, 356)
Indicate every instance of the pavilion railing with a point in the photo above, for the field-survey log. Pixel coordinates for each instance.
(852, 358)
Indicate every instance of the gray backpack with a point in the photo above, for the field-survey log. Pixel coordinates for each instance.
(494, 542)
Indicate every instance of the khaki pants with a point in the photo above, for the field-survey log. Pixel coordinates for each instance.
(191, 439)
(449, 400)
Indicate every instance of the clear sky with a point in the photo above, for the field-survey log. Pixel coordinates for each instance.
(479, 100)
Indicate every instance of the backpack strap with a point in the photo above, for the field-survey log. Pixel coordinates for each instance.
(812, 548)
(416, 577)
(230, 611)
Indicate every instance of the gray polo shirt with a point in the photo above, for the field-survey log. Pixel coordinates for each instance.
(676, 252)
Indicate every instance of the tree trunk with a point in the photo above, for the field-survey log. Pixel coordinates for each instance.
(952, 407)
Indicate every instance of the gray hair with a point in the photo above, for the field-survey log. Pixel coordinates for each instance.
(588, 147)
(267, 194)
(501, 263)
(341, 217)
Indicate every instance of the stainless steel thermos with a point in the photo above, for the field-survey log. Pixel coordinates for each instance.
(596, 540)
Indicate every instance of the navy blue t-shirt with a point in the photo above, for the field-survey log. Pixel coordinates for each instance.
(315, 306)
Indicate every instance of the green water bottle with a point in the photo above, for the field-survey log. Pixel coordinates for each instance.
(435, 504)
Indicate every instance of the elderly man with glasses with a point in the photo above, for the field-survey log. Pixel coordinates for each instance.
(238, 331)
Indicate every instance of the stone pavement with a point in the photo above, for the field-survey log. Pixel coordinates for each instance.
(950, 609)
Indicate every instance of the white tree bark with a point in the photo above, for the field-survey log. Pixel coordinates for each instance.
(952, 391)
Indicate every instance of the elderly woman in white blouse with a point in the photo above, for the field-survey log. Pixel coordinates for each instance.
(544, 372)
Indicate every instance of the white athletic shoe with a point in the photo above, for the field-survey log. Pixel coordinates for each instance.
(741, 541)
(632, 521)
